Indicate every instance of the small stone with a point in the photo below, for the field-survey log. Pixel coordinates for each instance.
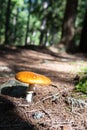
(38, 115)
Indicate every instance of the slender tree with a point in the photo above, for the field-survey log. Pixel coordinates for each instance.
(15, 28)
(28, 22)
(68, 23)
(45, 21)
(7, 22)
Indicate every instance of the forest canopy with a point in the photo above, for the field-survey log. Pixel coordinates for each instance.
(42, 22)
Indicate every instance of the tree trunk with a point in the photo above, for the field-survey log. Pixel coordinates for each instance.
(68, 24)
(83, 40)
(15, 23)
(7, 30)
(28, 21)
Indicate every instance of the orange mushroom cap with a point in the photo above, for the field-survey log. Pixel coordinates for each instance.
(32, 78)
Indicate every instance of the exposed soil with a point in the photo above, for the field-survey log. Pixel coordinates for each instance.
(54, 107)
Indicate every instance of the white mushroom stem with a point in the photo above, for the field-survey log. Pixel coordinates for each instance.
(29, 93)
(29, 96)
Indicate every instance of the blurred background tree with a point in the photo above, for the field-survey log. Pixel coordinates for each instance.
(68, 28)
(43, 23)
(83, 38)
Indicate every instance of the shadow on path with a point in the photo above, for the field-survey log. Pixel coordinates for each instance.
(10, 118)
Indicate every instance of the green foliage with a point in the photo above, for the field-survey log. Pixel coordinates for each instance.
(81, 12)
(81, 86)
(37, 12)
(79, 20)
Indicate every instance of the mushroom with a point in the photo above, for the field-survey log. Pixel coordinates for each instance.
(31, 78)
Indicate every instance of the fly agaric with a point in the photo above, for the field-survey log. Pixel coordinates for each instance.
(32, 78)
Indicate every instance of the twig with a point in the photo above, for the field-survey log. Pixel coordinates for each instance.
(57, 95)
(56, 124)
(46, 98)
(76, 103)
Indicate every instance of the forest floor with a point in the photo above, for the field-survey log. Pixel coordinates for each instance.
(54, 107)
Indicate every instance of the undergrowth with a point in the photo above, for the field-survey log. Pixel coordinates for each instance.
(81, 85)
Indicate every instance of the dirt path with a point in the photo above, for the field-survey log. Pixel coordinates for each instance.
(51, 109)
